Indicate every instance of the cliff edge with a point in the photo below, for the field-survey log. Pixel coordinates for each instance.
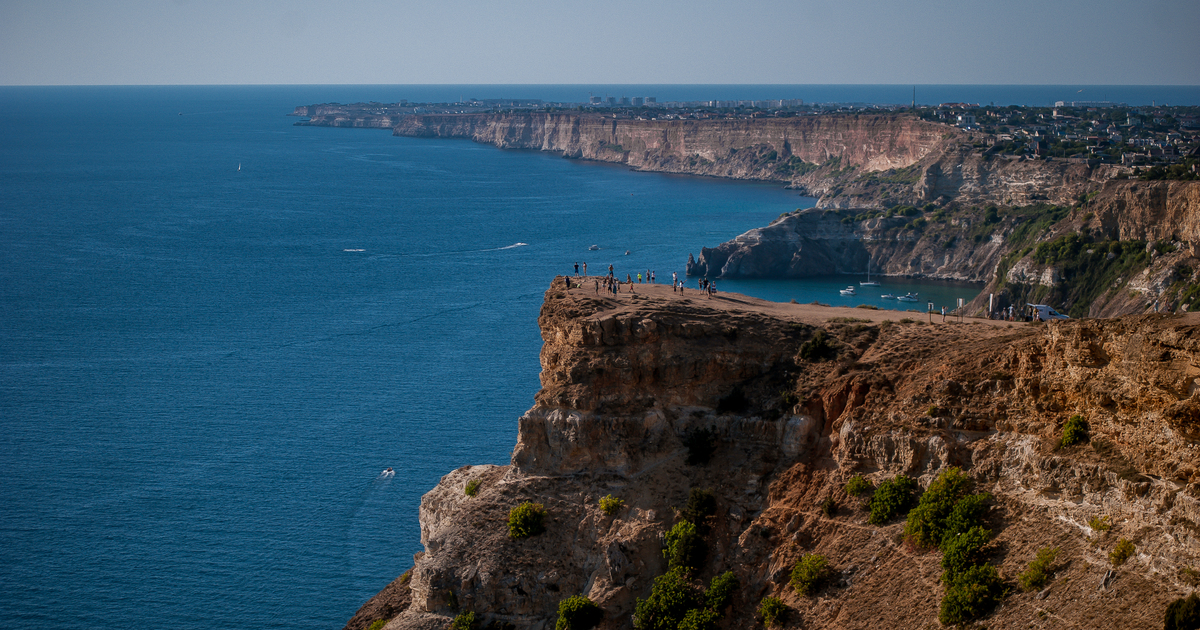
(771, 409)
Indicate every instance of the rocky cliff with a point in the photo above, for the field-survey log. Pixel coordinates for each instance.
(632, 385)
(779, 149)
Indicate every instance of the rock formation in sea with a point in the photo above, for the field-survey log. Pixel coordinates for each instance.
(769, 410)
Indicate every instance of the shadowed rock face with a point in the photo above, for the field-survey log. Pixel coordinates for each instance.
(626, 381)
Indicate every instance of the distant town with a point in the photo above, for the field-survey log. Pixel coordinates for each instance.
(1095, 132)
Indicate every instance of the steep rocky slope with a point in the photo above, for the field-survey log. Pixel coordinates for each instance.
(627, 381)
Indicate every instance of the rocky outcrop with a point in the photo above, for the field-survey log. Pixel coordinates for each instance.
(760, 149)
(628, 382)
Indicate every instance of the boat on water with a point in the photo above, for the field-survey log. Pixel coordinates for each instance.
(848, 291)
(888, 296)
(869, 282)
(387, 472)
(908, 297)
(593, 248)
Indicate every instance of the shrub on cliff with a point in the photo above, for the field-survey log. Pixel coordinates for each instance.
(967, 513)
(811, 572)
(700, 619)
(1038, 573)
(1075, 431)
(818, 348)
(963, 551)
(972, 594)
(1122, 552)
(578, 613)
(772, 609)
(611, 505)
(893, 498)
(927, 521)
(463, 621)
(701, 504)
(858, 486)
(670, 599)
(472, 488)
(685, 548)
(525, 520)
(720, 591)
(1183, 614)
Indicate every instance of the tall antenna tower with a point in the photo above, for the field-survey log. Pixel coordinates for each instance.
(914, 103)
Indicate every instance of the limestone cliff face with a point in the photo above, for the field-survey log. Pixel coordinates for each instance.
(627, 380)
(817, 242)
(743, 149)
(1148, 211)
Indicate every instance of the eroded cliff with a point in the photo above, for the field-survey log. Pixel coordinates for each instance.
(796, 150)
(628, 381)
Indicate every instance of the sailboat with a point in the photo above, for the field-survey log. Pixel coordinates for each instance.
(240, 170)
(868, 283)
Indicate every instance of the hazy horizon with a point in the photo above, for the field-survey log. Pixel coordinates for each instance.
(540, 42)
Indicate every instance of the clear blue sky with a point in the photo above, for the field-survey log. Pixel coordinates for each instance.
(121, 42)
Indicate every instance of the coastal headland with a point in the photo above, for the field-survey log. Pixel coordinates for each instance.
(906, 194)
(696, 461)
(747, 421)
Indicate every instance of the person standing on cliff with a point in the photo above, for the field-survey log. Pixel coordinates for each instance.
(651, 277)
(585, 269)
(577, 269)
(610, 271)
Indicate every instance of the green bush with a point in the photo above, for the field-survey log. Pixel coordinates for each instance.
(1183, 614)
(1038, 573)
(472, 488)
(1100, 523)
(377, 624)
(720, 591)
(962, 552)
(525, 520)
(772, 609)
(700, 619)
(858, 486)
(818, 348)
(1075, 431)
(685, 548)
(926, 522)
(578, 613)
(670, 599)
(1122, 552)
(810, 574)
(611, 505)
(972, 594)
(829, 506)
(701, 504)
(893, 498)
(967, 513)
(463, 621)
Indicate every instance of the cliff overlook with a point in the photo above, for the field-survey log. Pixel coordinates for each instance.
(745, 420)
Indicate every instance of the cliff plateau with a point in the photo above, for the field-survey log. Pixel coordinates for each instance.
(628, 383)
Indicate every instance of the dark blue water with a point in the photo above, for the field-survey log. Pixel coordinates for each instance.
(201, 375)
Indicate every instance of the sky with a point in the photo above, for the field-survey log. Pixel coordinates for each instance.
(204, 42)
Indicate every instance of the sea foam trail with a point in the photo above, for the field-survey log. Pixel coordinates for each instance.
(453, 253)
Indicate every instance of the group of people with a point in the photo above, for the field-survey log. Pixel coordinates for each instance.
(612, 284)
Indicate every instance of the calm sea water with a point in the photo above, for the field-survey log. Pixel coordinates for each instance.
(216, 329)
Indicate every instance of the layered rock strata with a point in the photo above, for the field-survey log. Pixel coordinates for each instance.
(626, 381)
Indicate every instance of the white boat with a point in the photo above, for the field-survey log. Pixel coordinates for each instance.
(593, 248)
(848, 291)
(909, 297)
(888, 296)
(869, 282)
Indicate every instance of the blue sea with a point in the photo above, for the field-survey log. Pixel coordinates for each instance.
(217, 328)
